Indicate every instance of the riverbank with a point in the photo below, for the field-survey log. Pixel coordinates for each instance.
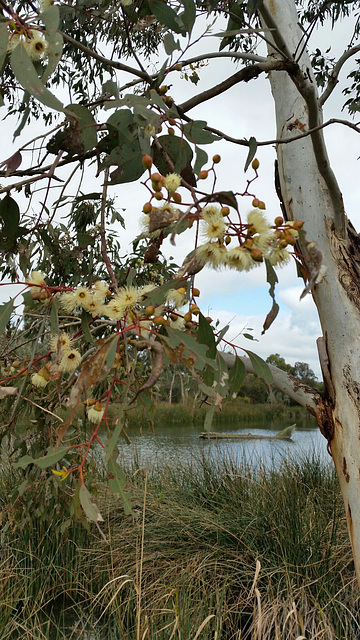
(236, 411)
(216, 551)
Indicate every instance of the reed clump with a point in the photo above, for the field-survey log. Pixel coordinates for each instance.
(214, 550)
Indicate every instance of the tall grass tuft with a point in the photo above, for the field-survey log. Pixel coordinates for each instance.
(215, 550)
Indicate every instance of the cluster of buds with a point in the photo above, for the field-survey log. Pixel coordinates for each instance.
(171, 182)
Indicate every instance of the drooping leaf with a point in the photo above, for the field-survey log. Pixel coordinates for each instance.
(272, 280)
(206, 336)
(51, 19)
(111, 87)
(226, 198)
(5, 314)
(25, 107)
(112, 352)
(4, 41)
(27, 76)
(129, 161)
(46, 461)
(189, 15)
(178, 150)
(209, 418)
(112, 441)
(86, 319)
(236, 376)
(117, 483)
(261, 368)
(193, 350)
(54, 51)
(90, 508)
(196, 133)
(251, 154)
(54, 315)
(12, 163)
(201, 159)
(221, 378)
(166, 15)
(170, 44)
(253, 6)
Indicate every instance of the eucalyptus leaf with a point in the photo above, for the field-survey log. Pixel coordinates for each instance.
(27, 76)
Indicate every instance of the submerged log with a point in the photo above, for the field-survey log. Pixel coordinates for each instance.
(285, 434)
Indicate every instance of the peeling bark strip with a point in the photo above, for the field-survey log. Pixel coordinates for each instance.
(345, 471)
(309, 192)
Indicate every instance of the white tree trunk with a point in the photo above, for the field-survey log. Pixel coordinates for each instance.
(310, 193)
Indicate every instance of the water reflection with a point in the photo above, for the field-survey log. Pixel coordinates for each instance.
(181, 444)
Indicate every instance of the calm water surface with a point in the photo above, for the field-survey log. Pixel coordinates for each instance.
(181, 444)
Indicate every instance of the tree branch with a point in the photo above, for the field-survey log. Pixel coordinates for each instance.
(285, 382)
(333, 80)
(105, 61)
(244, 75)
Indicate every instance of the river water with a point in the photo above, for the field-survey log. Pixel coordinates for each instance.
(181, 444)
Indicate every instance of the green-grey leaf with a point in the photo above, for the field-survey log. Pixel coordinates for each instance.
(201, 159)
(112, 442)
(236, 376)
(43, 463)
(26, 75)
(252, 151)
(165, 15)
(51, 19)
(261, 368)
(54, 315)
(117, 482)
(209, 418)
(206, 336)
(86, 318)
(90, 508)
(189, 15)
(195, 132)
(53, 54)
(4, 40)
(5, 314)
(170, 44)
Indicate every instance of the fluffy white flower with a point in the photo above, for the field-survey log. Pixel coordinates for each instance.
(258, 221)
(95, 413)
(70, 360)
(240, 259)
(172, 181)
(279, 257)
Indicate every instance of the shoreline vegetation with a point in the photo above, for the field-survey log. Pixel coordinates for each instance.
(235, 411)
(215, 550)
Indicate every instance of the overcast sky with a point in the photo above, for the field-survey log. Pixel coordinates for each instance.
(247, 110)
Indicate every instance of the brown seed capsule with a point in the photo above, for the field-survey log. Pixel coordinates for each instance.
(149, 311)
(257, 255)
(203, 174)
(159, 320)
(255, 164)
(279, 221)
(298, 224)
(147, 208)
(225, 211)
(196, 292)
(255, 203)
(216, 159)
(187, 316)
(176, 197)
(147, 161)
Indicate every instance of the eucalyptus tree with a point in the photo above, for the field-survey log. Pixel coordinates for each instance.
(90, 314)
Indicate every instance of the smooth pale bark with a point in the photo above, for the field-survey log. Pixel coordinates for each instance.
(310, 193)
